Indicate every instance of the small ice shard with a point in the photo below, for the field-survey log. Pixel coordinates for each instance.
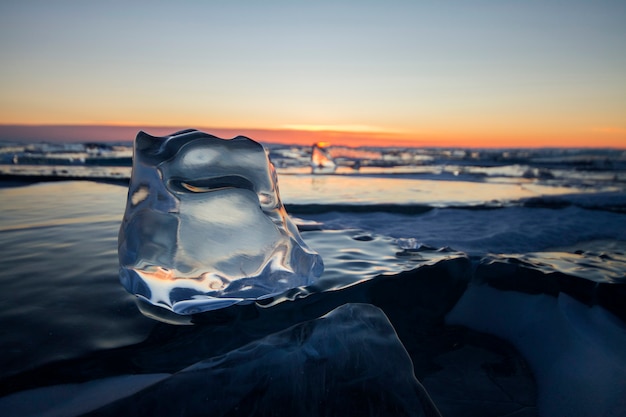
(321, 161)
(204, 226)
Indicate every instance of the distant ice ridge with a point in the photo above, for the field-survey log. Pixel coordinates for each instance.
(204, 226)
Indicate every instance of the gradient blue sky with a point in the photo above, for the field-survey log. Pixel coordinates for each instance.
(469, 73)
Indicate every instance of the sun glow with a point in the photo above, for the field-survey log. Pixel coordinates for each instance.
(336, 128)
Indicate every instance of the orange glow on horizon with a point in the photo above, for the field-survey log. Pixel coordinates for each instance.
(591, 138)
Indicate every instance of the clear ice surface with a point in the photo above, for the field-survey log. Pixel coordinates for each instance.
(204, 226)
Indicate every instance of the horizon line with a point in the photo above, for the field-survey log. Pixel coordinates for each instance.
(105, 132)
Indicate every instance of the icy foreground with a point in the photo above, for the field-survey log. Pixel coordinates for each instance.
(352, 352)
(566, 316)
(204, 226)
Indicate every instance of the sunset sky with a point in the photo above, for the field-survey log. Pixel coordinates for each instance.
(508, 73)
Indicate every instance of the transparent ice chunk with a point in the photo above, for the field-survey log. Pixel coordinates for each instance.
(321, 161)
(204, 226)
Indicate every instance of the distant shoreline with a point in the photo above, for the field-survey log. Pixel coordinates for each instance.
(125, 134)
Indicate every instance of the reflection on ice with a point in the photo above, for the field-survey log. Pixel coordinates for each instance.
(380, 190)
(204, 225)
